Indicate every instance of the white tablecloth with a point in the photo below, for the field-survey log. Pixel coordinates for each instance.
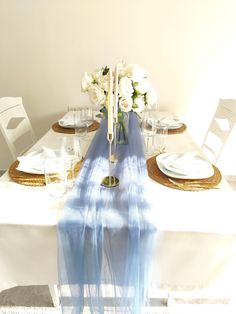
(196, 247)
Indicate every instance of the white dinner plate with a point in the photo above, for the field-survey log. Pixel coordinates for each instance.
(172, 125)
(201, 168)
(30, 170)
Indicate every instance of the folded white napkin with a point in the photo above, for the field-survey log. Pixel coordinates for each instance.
(186, 163)
(170, 121)
(67, 120)
(34, 161)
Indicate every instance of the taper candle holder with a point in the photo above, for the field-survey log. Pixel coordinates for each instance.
(114, 157)
(110, 181)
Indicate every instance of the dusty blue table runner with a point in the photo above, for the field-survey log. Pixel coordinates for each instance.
(105, 238)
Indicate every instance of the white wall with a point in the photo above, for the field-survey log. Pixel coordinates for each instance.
(188, 48)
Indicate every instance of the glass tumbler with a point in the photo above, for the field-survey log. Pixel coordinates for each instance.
(55, 176)
(160, 138)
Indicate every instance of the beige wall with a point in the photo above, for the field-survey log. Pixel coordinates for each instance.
(188, 48)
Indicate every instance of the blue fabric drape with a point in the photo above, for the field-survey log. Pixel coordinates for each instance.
(105, 238)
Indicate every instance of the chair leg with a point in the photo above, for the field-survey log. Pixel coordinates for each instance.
(54, 294)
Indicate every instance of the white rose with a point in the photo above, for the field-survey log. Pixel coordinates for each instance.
(139, 102)
(96, 95)
(104, 82)
(125, 88)
(135, 72)
(126, 104)
(151, 97)
(142, 86)
(87, 80)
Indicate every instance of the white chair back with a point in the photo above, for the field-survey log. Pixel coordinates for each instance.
(219, 142)
(15, 125)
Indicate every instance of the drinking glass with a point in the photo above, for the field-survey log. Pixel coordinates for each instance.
(160, 137)
(81, 123)
(71, 153)
(148, 128)
(55, 176)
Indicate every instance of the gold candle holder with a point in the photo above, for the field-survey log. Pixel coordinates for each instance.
(110, 181)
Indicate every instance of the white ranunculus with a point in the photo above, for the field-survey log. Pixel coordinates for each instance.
(121, 69)
(151, 97)
(87, 80)
(142, 86)
(97, 75)
(135, 72)
(104, 82)
(96, 95)
(139, 102)
(125, 87)
(126, 104)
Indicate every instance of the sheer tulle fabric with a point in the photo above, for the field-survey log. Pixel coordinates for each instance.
(105, 240)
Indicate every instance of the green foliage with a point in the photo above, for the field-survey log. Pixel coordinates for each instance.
(105, 70)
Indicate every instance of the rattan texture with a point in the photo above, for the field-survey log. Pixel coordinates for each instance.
(57, 128)
(32, 179)
(25, 178)
(182, 184)
(181, 129)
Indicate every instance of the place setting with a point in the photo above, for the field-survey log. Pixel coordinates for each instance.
(77, 120)
(172, 124)
(183, 171)
(55, 168)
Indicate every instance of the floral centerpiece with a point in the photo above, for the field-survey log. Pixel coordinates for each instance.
(134, 90)
(134, 93)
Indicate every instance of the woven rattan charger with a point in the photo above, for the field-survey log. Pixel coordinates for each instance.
(182, 184)
(57, 128)
(181, 129)
(32, 179)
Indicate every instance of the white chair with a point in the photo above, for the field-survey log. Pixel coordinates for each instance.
(219, 141)
(15, 125)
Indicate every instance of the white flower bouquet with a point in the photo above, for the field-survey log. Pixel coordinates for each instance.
(134, 90)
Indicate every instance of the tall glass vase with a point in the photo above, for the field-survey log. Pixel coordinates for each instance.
(122, 132)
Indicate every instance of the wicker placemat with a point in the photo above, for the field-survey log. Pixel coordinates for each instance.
(178, 130)
(25, 178)
(57, 128)
(32, 179)
(182, 184)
